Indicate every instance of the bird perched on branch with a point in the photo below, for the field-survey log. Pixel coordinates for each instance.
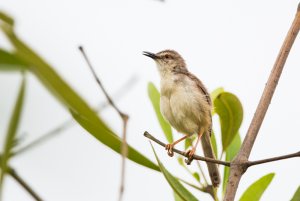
(185, 104)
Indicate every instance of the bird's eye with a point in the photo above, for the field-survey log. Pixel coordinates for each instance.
(167, 56)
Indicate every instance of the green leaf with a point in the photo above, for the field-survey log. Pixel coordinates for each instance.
(230, 112)
(193, 185)
(155, 100)
(180, 161)
(189, 142)
(107, 137)
(214, 94)
(214, 143)
(231, 152)
(85, 116)
(7, 19)
(178, 188)
(176, 197)
(10, 62)
(255, 191)
(12, 132)
(296, 196)
(196, 176)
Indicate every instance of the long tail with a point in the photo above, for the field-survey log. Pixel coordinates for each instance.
(212, 167)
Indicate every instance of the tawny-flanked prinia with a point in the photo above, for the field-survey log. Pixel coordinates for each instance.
(185, 104)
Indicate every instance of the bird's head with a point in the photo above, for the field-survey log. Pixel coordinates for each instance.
(167, 61)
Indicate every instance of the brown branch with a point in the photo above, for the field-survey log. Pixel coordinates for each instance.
(123, 116)
(183, 153)
(14, 175)
(111, 102)
(268, 160)
(237, 166)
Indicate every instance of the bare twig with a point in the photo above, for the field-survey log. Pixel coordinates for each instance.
(183, 153)
(238, 164)
(68, 123)
(257, 162)
(122, 115)
(18, 179)
(52, 133)
(111, 102)
(14, 175)
(124, 152)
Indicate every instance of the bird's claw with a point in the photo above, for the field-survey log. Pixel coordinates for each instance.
(189, 154)
(169, 148)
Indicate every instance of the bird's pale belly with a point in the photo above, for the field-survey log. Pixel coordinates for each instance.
(183, 112)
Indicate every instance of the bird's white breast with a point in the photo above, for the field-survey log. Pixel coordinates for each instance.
(182, 104)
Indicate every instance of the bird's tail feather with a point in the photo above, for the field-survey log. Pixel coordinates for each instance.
(212, 167)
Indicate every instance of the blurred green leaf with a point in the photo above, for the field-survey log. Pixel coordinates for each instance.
(196, 176)
(178, 188)
(230, 112)
(231, 152)
(214, 143)
(296, 196)
(10, 62)
(108, 138)
(255, 191)
(176, 197)
(189, 142)
(180, 161)
(155, 100)
(63, 92)
(7, 19)
(12, 132)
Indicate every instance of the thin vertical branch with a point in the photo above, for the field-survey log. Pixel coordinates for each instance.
(111, 102)
(238, 165)
(123, 116)
(124, 152)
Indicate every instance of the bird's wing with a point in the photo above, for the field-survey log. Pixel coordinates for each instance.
(200, 85)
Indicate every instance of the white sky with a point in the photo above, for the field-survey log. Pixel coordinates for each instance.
(225, 43)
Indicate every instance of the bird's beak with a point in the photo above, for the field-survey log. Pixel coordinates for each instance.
(151, 55)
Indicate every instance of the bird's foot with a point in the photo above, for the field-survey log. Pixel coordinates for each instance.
(169, 148)
(189, 154)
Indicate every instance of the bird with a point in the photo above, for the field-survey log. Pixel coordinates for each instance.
(186, 104)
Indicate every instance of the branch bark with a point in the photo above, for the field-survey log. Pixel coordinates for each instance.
(268, 160)
(244, 165)
(238, 164)
(183, 153)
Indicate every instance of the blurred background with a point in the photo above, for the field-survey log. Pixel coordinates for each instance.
(230, 43)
